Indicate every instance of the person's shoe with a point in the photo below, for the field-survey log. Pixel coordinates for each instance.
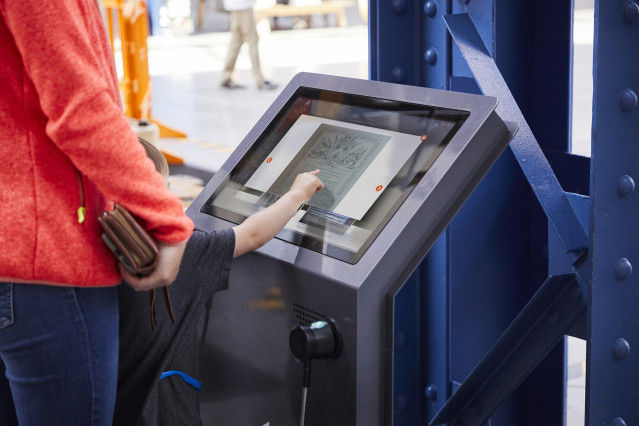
(230, 84)
(267, 85)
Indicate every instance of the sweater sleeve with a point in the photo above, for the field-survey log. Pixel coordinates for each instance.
(65, 53)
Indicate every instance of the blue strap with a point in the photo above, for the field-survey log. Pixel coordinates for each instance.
(188, 379)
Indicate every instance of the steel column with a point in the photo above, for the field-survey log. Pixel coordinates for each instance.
(400, 28)
(612, 393)
(498, 237)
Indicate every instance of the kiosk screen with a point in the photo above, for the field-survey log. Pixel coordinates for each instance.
(370, 152)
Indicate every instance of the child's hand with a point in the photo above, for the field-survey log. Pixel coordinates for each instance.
(260, 227)
(307, 184)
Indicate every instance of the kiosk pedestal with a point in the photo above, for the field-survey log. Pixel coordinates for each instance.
(397, 163)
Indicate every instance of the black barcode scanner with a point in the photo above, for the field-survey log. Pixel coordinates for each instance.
(320, 340)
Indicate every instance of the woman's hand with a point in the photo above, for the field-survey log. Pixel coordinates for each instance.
(169, 259)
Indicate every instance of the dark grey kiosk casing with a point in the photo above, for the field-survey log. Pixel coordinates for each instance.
(341, 269)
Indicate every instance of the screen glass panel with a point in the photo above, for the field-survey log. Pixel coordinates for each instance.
(371, 153)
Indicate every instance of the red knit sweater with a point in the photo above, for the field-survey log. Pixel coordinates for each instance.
(64, 142)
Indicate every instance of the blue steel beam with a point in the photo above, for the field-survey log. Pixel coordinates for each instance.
(398, 29)
(435, 45)
(612, 393)
(394, 34)
(524, 146)
(553, 310)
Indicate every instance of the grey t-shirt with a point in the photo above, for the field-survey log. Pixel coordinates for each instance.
(142, 398)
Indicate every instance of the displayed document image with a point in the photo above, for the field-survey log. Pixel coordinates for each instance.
(342, 154)
(356, 163)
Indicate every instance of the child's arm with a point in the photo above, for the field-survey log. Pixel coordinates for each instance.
(260, 227)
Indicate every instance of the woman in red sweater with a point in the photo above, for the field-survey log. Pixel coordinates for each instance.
(68, 153)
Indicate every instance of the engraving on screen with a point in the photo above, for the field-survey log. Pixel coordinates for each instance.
(356, 163)
(342, 154)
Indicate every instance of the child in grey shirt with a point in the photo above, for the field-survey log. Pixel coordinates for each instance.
(158, 369)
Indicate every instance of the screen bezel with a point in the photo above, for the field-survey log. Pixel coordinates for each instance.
(257, 150)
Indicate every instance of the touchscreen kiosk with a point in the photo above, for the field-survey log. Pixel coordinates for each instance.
(370, 153)
(397, 163)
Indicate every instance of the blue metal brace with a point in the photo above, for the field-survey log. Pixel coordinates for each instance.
(554, 309)
(529, 155)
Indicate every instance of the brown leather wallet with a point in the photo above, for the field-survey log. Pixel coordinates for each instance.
(134, 248)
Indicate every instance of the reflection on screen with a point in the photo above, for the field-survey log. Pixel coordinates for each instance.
(370, 153)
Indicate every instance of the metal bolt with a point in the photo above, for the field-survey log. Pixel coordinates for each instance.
(621, 349)
(628, 99)
(630, 10)
(398, 6)
(431, 55)
(431, 392)
(430, 8)
(398, 75)
(623, 269)
(618, 422)
(625, 185)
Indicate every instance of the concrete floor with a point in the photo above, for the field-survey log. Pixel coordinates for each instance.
(187, 96)
(186, 82)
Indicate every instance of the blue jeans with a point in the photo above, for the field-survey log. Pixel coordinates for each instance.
(58, 354)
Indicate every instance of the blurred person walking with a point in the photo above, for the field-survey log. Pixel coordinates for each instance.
(243, 29)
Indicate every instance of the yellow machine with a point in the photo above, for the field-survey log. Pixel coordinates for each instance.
(135, 84)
